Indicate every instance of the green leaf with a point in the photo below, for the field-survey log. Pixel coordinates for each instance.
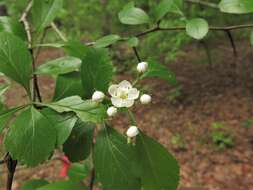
(81, 138)
(31, 138)
(236, 6)
(115, 161)
(63, 185)
(158, 70)
(132, 15)
(59, 66)
(15, 59)
(197, 28)
(78, 172)
(96, 71)
(63, 123)
(33, 184)
(12, 26)
(87, 111)
(68, 85)
(44, 12)
(107, 40)
(6, 115)
(162, 9)
(159, 169)
(133, 42)
(76, 49)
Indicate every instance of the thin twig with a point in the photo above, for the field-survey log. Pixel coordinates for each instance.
(208, 4)
(137, 54)
(176, 28)
(58, 32)
(23, 19)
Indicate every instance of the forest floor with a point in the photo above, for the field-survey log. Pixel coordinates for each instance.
(184, 123)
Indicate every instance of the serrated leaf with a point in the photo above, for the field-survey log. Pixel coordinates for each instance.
(96, 71)
(159, 169)
(114, 161)
(68, 85)
(87, 111)
(133, 42)
(35, 138)
(197, 28)
(58, 66)
(63, 185)
(132, 15)
(160, 71)
(15, 59)
(78, 172)
(12, 26)
(107, 40)
(33, 184)
(63, 123)
(81, 138)
(44, 12)
(236, 6)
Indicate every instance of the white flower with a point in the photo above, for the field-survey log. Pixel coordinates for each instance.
(132, 131)
(98, 96)
(142, 67)
(145, 99)
(112, 111)
(123, 94)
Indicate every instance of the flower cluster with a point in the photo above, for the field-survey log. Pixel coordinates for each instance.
(123, 95)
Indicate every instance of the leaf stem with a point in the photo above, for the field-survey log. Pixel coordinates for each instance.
(208, 4)
(58, 32)
(131, 117)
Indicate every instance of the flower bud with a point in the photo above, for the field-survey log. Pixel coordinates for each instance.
(112, 111)
(145, 99)
(142, 67)
(98, 96)
(132, 131)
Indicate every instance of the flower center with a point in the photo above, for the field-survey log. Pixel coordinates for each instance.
(122, 93)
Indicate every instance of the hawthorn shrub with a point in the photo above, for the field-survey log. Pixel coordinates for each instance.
(86, 98)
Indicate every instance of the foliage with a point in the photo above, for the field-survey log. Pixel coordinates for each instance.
(221, 137)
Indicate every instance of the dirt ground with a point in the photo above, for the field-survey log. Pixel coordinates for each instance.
(208, 95)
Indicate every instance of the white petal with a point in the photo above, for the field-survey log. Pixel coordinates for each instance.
(133, 94)
(125, 84)
(117, 102)
(128, 103)
(113, 90)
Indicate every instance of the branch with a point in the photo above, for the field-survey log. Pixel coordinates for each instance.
(58, 32)
(92, 178)
(11, 166)
(208, 4)
(23, 19)
(178, 28)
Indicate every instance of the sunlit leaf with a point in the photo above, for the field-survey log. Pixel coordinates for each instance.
(107, 40)
(236, 6)
(132, 15)
(59, 66)
(197, 28)
(33, 184)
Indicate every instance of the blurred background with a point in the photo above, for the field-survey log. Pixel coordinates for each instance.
(206, 120)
